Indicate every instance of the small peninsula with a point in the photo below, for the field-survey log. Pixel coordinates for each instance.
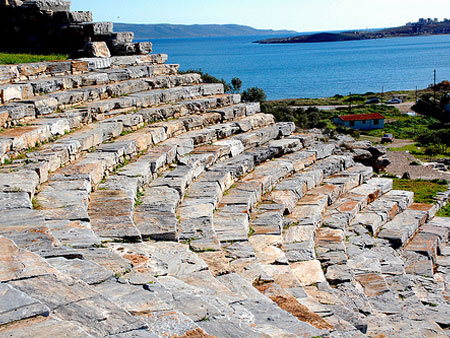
(422, 27)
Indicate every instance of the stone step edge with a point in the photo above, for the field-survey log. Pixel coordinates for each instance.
(143, 185)
(49, 104)
(28, 89)
(42, 167)
(6, 144)
(44, 70)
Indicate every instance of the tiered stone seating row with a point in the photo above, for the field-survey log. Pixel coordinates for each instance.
(184, 212)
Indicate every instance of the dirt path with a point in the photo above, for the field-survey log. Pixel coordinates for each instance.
(401, 163)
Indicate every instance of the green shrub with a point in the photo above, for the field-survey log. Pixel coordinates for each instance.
(254, 94)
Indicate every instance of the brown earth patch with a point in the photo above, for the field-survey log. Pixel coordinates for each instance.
(291, 305)
(197, 333)
(421, 206)
(136, 259)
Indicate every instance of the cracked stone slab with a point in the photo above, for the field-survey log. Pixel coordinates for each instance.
(265, 311)
(74, 301)
(15, 200)
(85, 270)
(308, 272)
(44, 327)
(267, 249)
(403, 227)
(16, 305)
(20, 181)
(231, 226)
(75, 234)
(111, 213)
(26, 227)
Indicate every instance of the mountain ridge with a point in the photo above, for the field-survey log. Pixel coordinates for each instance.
(173, 31)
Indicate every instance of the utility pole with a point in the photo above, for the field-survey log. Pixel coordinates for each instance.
(382, 94)
(417, 95)
(434, 87)
(350, 103)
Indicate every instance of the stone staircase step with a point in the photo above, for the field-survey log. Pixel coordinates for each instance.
(18, 139)
(92, 169)
(27, 89)
(405, 225)
(383, 210)
(67, 148)
(44, 70)
(48, 104)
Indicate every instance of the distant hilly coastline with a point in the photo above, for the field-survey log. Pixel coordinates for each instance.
(169, 31)
(422, 27)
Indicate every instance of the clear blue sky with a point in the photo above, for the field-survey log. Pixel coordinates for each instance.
(299, 15)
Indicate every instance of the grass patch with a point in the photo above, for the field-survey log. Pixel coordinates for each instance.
(9, 59)
(35, 204)
(139, 197)
(419, 152)
(404, 126)
(424, 191)
(445, 211)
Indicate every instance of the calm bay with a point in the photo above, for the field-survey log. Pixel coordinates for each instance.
(316, 69)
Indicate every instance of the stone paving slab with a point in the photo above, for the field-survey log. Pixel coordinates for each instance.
(43, 327)
(16, 305)
(403, 227)
(111, 214)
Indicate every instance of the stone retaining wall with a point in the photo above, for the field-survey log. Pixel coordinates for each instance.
(48, 26)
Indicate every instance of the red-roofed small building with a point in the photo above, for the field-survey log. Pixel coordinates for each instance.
(361, 121)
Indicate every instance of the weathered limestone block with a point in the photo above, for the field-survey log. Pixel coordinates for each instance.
(403, 227)
(267, 249)
(80, 16)
(44, 105)
(111, 214)
(143, 48)
(31, 70)
(48, 5)
(15, 200)
(121, 37)
(97, 49)
(11, 92)
(49, 326)
(16, 305)
(76, 234)
(266, 313)
(97, 63)
(17, 112)
(309, 272)
(21, 181)
(98, 28)
(231, 226)
(8, 73)
(85, 270)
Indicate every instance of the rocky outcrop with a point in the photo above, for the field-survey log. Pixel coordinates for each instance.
(48, 26)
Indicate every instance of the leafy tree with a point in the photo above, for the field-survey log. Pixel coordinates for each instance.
(254, 94)
(236, 84)
(431, 151)
(434, 106)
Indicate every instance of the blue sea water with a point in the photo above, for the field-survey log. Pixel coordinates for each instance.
(316, 69)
